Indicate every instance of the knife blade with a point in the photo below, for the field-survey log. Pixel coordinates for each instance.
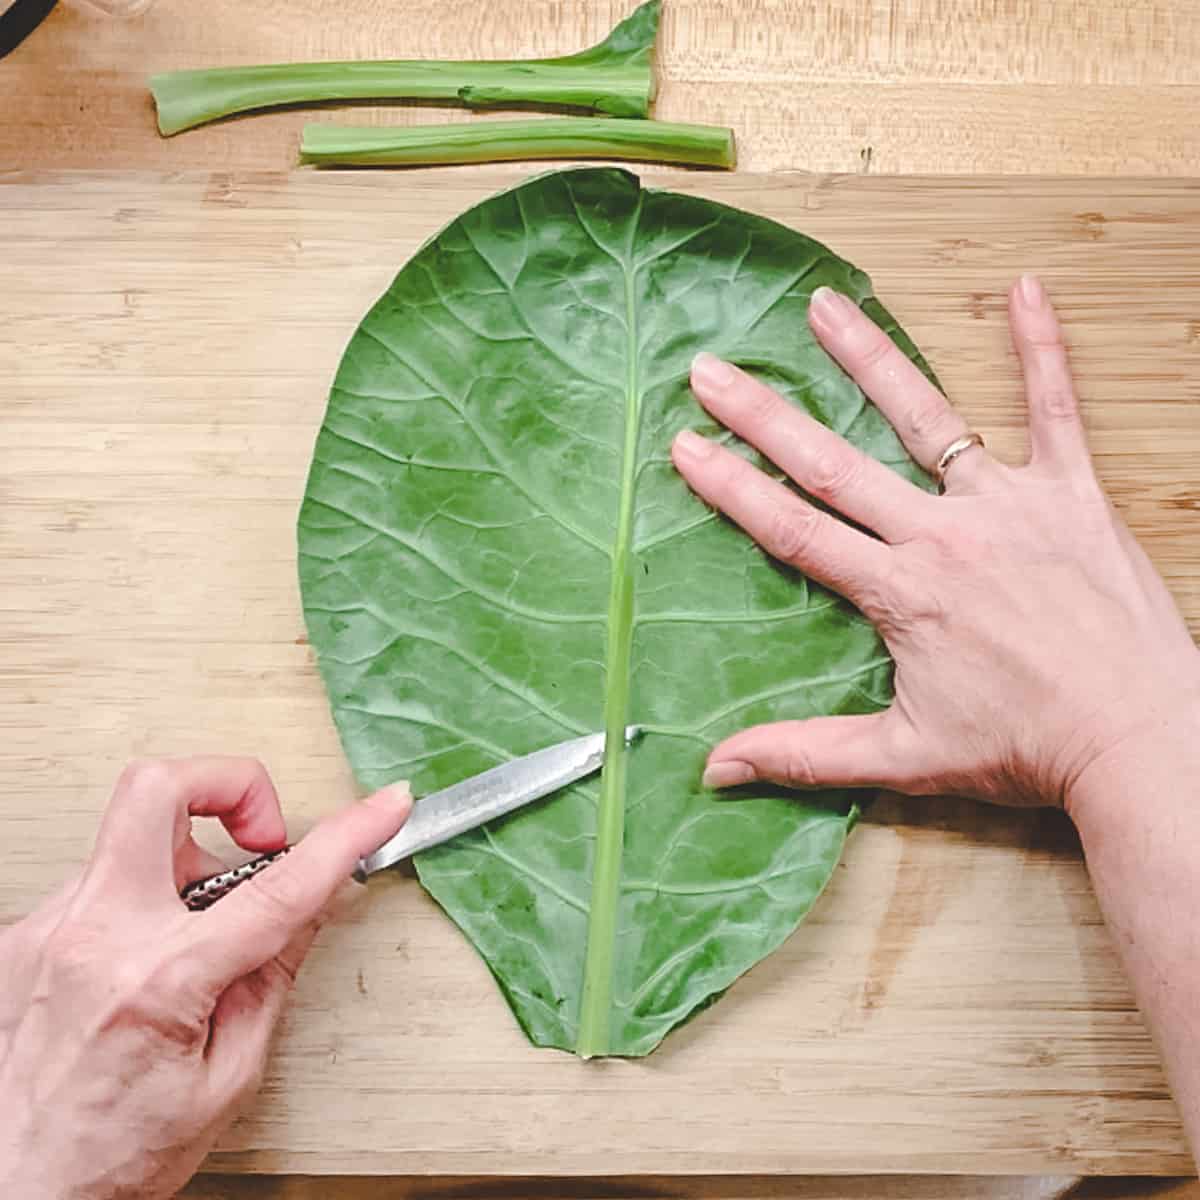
(445, 814)
(19, 20)
(463, 806)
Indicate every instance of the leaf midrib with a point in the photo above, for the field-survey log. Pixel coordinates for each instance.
(596, 1001)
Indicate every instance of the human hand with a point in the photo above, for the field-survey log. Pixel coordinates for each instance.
(131, 1028)
(1032, 637)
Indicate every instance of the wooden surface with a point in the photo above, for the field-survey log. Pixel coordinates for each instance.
(953, 1004)
(956, 86)
(839, 1187)
(147, 601)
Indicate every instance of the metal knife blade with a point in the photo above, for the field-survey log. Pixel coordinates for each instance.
(443, 815)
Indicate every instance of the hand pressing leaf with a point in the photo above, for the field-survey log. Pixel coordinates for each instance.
(496, 554)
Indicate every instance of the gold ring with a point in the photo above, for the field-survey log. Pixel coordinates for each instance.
(958, 446)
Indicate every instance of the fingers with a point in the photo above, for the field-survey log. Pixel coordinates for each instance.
(823, 463)
(146, 818)
(856, 752)
(254, 923)
(245, 1017)
(1055, 429)
(919, 413)
(193, 862)
(786, 527)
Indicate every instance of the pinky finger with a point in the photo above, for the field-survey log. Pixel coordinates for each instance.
(1055, 427)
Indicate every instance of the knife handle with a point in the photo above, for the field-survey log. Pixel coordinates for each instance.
(203, 893)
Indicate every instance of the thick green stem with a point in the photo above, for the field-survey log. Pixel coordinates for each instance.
(603, 910)
(500, 141)
(615, 77)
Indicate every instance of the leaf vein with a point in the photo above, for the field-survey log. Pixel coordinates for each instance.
(485, 594)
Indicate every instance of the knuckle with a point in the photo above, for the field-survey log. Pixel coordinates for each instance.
(1058, 403)
(282, 970)
(70, 951)
(173, 978)
(257, 769)
(279, 894)
(791, 532)
(798, 768)
(1049, 344)
(761, 404)
(729, 474)
(132, 981)
(874, 349)
(153, 991)
(900, 599)
(833, 472)
(148, 777)
(929, 420)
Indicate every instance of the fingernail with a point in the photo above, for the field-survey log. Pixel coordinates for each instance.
(709, 371)
(831, 306)
(396, 797)
(728, 774)
(1033, 295)
(692, 444)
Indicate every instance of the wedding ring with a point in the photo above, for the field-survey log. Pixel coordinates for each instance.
(951, 452)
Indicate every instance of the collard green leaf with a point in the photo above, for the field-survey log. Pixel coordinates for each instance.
(496, 554)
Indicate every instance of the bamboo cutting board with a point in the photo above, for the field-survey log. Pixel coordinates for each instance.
(953, 1004)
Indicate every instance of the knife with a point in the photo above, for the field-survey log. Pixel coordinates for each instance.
(19, 20)
(443, 815)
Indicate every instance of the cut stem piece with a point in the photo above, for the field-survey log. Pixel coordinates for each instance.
(615, 77)
(505, 141)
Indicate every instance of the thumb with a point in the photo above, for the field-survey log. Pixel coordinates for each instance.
(855, 752)
(258, 919)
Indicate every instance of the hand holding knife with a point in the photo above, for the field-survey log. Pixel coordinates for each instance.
(443, 815)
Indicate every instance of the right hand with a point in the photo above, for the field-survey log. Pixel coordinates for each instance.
(1033, 638)
(130, 1028)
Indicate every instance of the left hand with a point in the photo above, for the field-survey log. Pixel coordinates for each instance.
(131, 1028)
(1035, 644)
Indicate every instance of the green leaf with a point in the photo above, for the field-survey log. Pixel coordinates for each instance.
(496, 554)
(615, 77)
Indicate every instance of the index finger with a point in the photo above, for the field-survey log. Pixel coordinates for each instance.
(785, 526)
(146, 820)
(255, 922)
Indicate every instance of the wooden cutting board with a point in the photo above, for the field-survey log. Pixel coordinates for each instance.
(953, 1004)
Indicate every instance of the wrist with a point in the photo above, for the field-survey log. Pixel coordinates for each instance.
(1146, 762)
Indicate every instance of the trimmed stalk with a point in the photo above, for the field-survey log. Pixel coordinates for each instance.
(615, 77)
(504, 141)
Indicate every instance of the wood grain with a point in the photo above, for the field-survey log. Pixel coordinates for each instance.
(953, 1005)
(896, 86)
(837, 1187)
